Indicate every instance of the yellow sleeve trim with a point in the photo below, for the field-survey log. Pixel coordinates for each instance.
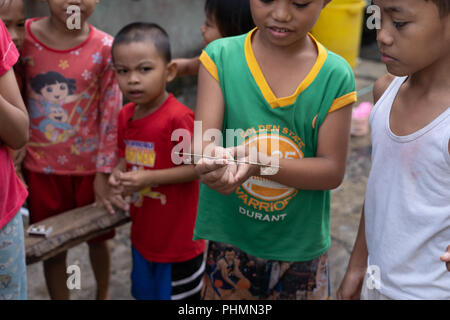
(209, 64)
(343, 101)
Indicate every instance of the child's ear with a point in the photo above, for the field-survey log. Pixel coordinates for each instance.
(171, 71)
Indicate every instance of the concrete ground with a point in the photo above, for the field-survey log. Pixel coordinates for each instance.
(346, 206)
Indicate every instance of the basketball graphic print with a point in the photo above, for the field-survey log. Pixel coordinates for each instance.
(276, 146)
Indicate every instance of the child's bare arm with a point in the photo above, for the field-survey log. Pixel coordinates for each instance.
(381, 85)
(135, 181)
(351, 285)
(187, 67)
(326, 170)
(210, 111)
(14, 119)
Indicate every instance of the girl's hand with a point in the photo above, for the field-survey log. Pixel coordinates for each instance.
(102, 191)
(119, 201)
(446, 258)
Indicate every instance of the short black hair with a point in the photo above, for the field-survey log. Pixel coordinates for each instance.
(443, 6)
(145, 31)
(233, 17)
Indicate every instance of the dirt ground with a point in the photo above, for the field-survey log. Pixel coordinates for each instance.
(346, 207)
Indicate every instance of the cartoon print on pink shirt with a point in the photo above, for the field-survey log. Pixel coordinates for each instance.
(50, 92)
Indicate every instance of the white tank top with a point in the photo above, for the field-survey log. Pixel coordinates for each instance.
(407, 208)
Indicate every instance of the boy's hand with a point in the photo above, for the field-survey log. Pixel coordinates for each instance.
(135, 181)
(218, 174)
(446, 258)
(116, 191)
(102, 191)
(225, 176)
(351, 286)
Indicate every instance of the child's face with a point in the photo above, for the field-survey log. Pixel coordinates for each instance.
(13, 16)
(210, 30)
(58, 8)
(284, 22)
(55, 92)
(141, 71)
(412, 35)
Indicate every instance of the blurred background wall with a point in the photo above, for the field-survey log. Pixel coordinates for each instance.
(181, 18)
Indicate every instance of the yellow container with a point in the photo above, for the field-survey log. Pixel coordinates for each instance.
(339, 28)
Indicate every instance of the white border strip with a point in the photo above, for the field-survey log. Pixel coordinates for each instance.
(188, 293)
(189, 279)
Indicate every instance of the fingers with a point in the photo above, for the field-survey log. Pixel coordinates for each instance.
(446, 258)
(239, 152)
(220, 178)
(114, 180)
(119, 202)
(242, 170)
(130, 182)
(107, 204)
(205, 166)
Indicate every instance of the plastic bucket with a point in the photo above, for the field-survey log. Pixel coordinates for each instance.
(339, 28)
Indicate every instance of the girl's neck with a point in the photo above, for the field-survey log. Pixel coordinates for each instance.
(57, 35)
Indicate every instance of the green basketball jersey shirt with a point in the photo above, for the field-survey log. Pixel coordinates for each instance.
(262, 217)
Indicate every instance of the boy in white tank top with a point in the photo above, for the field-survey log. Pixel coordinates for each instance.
(402, 250)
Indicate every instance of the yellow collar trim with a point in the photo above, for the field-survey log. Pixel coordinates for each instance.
(261, 81)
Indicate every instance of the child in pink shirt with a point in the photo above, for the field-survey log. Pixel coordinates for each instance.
(14, 134)
(74, 101)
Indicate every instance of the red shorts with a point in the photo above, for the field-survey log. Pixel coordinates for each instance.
(50, 195)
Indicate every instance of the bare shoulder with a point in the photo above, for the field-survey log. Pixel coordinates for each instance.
(381, 85)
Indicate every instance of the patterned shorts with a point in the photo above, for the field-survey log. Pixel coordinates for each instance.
(232, 274)
(13, 271)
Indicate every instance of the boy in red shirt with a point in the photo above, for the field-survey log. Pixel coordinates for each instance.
(167, 263)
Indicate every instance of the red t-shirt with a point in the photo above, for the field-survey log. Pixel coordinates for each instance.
(163, 217)
(12, 192)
